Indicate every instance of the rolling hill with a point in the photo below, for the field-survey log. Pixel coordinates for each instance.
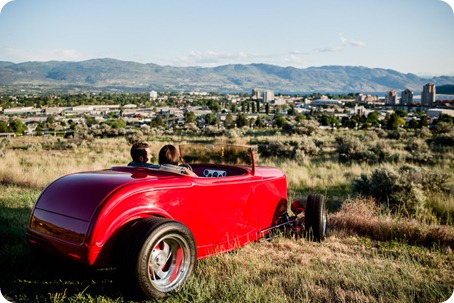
(116, 75)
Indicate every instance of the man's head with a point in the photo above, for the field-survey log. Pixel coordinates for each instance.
(140, 152)
(168, 155)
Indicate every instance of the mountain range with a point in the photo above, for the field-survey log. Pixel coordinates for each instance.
(126, 76)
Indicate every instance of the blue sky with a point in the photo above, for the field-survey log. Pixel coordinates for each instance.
(410, 36)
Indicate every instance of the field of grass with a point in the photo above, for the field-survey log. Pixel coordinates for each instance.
(369, 255)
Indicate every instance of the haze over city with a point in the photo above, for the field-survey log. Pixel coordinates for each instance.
(410, 36)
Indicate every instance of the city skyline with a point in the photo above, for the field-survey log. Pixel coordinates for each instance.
(406, 36)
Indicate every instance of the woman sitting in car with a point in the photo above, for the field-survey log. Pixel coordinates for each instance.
(169, 158)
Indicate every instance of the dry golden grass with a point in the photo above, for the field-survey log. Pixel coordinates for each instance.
(363, 217)
(365, 258)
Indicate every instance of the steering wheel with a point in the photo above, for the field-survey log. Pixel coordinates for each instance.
(186, 165)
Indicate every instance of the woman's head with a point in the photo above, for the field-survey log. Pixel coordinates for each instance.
(168, 155)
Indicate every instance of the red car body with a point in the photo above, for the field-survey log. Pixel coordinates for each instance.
(78, 214)
(85, 216)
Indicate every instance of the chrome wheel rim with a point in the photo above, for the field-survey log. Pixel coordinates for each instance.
(169, 262)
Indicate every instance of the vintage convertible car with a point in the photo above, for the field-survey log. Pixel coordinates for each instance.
(152, 225)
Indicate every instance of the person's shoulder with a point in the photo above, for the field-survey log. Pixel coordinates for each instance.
(146, 165)
(172, 168)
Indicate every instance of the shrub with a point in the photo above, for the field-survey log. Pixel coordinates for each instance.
(423, 133)
(397, 134)
(309, 146)
(419, 151)
(277, 149)
(34, 147)
(305, 127)
(352, 148)
(441, 140)
(134, 136)
(403, 190)
(443, 128)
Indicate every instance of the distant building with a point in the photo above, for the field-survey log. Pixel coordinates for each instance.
(153, 95)
(325, 102)
(361, 98)
(391, 97)
(406, 97)
(256, 94)
(428, 94)
(268, 96)
(436, 112)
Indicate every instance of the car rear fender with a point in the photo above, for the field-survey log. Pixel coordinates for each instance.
(126, 204)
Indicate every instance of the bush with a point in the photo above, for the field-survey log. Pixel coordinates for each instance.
(441, 140)
(305, 127)
(352, 148)
(443, 128)
(419, 151)
(277, 149)
(403, 190)
(134, 136)
(397, 134)
(423, 133)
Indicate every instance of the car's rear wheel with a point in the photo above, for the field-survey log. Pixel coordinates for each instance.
(160, 255)
(315, 217)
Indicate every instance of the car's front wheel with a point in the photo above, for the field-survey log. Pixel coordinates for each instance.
(160, 254)
(315, 217)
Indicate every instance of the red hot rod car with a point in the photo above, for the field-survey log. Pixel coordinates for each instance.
(154, 224)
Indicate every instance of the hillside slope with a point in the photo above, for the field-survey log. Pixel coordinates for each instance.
(110, 74)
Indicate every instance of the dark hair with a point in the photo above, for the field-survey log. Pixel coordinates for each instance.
(138, 150)
(168, 155)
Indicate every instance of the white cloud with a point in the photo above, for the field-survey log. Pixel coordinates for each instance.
(450, 3)
(3, 3)
(21, 55)
(351, 42)
(212, 58)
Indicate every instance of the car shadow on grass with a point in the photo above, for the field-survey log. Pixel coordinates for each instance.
(26, 276)
(43, 279)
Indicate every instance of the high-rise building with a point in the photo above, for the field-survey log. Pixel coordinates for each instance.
(428, 94)
(256, 94)
(153, 95)
(268, 96)
(406, 97)
(391, 97)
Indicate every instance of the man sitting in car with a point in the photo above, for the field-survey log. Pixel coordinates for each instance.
(141, 156)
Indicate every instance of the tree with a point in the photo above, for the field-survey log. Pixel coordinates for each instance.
(241, 120)
(210, 119)
(372, 118)
(394, 122)
(279, 120)
(3, 127)
(16, 126)
(189, 117)
(228, 122)
(259, 122)
(401, 113)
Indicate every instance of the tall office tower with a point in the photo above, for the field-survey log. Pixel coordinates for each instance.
(153, 95)
(406, 97)
(255, 94)
(428, 94)
(391, 97)
(268, 96)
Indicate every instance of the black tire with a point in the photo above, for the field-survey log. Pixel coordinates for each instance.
(315, 217)
(159, 256)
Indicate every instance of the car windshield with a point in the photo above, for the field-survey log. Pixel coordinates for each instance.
(219, 154)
